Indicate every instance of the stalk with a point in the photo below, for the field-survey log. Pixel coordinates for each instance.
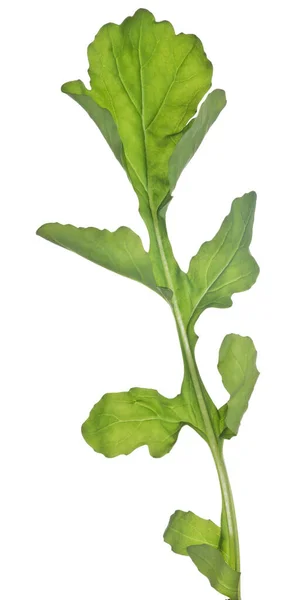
(229, 528)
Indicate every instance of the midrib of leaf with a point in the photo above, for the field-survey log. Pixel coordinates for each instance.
(222, 582)
(244, 373)
(134, 263)
(131, 421)
(198, 539)
(195, 539)
(142, 106)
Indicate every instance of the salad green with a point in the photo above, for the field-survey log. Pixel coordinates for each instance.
(146, 86)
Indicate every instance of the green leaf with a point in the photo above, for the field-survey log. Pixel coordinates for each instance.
(194, 135)
(210, 562)
(187, 529)
(198, 538)
(119, 423)
(224, 265)
(101, 116)
(120, 251)
(151, 82)
(237, 366)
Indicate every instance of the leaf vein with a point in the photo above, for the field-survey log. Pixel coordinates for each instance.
(170, 87)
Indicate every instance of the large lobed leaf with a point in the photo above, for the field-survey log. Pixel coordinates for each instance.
(237, 366)
(121, 422)
(151, 81)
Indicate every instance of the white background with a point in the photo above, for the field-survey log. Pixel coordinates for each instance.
(75, 524)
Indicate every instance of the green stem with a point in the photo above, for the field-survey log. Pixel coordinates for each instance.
(229, 508)
(202, 397)
(215, 446)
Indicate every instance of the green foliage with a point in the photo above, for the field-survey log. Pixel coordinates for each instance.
(151, 82)
(120, 251)
(101, 116)
(224, 265)
(200, 539)
(210, 562)
(186, 529)
(194, 135)
(120, 423)
(146, 85)
(237, 366)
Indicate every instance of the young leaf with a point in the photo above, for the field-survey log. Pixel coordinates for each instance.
(187, 529)
(224, 265)
(101, 116)
(151, 81)
(237, 366)
(210, 562)
(119, 423)
(194, 135)
(120, 251)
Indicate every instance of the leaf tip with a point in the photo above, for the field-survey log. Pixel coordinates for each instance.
(252, 195)
(141, 12)
(48, 231)
(42, 231)
(39, 230)
(76, 87)
(219, 96)
(65, 87)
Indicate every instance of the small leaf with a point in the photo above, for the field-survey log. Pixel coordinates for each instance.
(119, 423)
(186, 529)
(194, 135)
(210, 562)
(237, 366)
(101, 116)
(151, 82)
(120, 251)
(224, 265)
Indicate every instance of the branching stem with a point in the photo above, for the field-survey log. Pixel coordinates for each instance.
(203, 399)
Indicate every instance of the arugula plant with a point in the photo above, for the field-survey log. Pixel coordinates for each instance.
(146, 84)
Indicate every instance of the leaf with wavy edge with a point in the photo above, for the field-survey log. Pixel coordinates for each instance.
(150, 98)
(237, 366)
(120, 251)
(121, 422)
(187, 529)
